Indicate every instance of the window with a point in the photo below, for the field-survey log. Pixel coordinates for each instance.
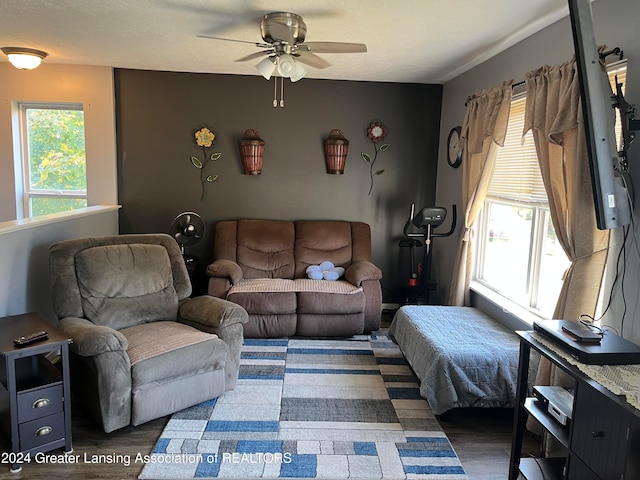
(53, 162)
(618, 73)
(519, 256)
(518, 253)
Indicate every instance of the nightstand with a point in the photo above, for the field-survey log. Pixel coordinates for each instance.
(35, 398)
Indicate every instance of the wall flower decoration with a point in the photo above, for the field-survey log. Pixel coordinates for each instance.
(204, 139)
(376, 132)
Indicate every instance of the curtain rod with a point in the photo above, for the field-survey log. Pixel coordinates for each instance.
(514, 85)
(614, 51)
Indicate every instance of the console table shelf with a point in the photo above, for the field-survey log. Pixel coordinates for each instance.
(600, 440)
(533, 408)
(542, 468)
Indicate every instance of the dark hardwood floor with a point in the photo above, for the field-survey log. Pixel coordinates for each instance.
(480, 437)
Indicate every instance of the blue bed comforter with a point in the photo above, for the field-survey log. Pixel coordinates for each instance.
(462, 357)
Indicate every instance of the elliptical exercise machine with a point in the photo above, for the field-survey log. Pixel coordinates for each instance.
(429, 218)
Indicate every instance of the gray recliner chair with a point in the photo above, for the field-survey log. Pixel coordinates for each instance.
(141, 347)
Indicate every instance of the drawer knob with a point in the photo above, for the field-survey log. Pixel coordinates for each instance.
(46, 430)
(41, 403)
(597, 434)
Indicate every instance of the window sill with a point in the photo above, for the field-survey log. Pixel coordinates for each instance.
(520, 317)
(26, 223)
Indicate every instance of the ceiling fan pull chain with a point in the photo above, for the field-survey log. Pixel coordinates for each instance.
(281, 91)
(275, 91)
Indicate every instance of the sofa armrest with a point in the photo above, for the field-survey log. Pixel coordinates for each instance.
(225, 269)
(90, 339)
(207, 313)
(358, 272)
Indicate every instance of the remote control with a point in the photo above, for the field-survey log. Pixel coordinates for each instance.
(30, 338)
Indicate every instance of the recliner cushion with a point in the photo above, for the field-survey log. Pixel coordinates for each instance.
(318, 241)
(330, 303)
(268, 303)
(166, 350)
(125, 285)
(265, 248)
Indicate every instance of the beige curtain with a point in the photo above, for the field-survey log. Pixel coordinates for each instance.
(554, 115)
(484, 129)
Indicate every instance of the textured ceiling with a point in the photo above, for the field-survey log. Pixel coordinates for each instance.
(421, 41)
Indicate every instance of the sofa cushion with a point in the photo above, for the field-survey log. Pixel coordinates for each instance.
(125, 285)
(318, 241)
(271, 326)
(315, 325)
(330, 303)
(265, 302)
(265, 248)
(260, 285)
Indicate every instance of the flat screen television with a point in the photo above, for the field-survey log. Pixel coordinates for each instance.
(608, 173)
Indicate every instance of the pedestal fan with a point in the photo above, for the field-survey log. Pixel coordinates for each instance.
(188, 229)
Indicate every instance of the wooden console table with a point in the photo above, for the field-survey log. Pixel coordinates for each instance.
(600, 441)
(35, 398)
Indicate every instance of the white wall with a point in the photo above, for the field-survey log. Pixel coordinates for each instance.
(24, 255)
(24, 264)
(91, 86)
(615, 24)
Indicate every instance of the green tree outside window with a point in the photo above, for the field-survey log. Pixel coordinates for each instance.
(57, 160)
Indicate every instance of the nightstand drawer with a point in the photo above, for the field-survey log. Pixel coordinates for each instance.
(39, 402)
(41, 431)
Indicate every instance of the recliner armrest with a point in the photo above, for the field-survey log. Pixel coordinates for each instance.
(225, 269)
(358, 272)
(90, 339)
(211, 312)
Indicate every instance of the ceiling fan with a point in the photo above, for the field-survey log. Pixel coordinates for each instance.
(283, 35)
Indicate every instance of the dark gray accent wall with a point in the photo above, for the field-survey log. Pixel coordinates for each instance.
(158, 113)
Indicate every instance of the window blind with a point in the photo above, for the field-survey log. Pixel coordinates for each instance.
(516, 177)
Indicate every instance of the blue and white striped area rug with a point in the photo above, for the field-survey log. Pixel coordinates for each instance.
(310, 408)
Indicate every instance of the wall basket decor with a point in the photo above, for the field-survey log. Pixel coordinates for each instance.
(336, 148)
(252, 152)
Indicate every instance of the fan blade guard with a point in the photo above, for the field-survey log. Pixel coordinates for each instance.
(188, 229)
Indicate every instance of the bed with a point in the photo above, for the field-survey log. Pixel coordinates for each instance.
(462, 357)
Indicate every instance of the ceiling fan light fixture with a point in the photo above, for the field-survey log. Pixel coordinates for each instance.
(266, 67)
(286, 65)
(298, 73)
(24, 58)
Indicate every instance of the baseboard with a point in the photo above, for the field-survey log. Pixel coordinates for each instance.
(390, 306)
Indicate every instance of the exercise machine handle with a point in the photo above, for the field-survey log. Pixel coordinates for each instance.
(454, 220)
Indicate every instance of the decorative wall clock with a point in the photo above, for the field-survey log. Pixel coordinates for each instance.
(454, 147)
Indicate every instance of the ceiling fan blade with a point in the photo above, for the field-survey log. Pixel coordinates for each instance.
(333, 47)
(252, 56)
(312, 60)
(257, 44)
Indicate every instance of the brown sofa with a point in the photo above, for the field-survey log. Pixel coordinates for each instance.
(261, 265)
